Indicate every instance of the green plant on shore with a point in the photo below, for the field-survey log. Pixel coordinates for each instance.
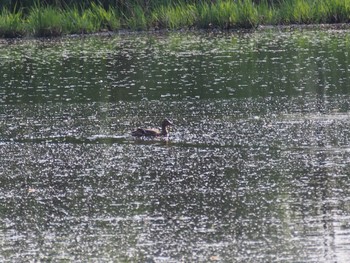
(94, 19)
(174, 17)
(32, 17)
(308, 11)
(338, 10)
(321, 12)
(247, 14)
(104, 18)
(77, 22)
(228, 14)
(219, 14)
(11, 24)
(266, 13)
(45, 21)
(136, 20)
(301, 13)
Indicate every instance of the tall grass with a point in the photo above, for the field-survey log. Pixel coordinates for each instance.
(136, 19)
(228, 14)
(267, 13)
(338, 10)
(247, 14)
(52, 21)
(308, 11)
(45, 21)
(72, 16)
(220, 14)
(104, 18)
(90, 20)
(11, 24)
(77, 22)
(174, 16)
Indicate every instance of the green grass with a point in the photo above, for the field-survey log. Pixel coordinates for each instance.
(307, 11)
(222, 14)
(11, 24)
(45, 21)
(77, 22)
(267, 13)
(104, 19)
(90, 20)
(228, 14)
(136, 19)
(247, 14)
(174, 17)
(56, 20)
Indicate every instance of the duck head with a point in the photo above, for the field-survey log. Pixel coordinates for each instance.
(166, 123)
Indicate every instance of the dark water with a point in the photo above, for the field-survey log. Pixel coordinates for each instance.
(256, 168)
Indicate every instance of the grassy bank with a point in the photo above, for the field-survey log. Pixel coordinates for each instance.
(58, 18)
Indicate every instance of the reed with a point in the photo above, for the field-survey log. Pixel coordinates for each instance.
(228, 14)
(247, 14)
(45, 21)
(221, 14)
(174, 16)
(338, 11)
(88, 16)
(77, 22)
(136, 19)
(105, 19)
(267, 13)
(307, 11)
(294, 12)
(11, 24)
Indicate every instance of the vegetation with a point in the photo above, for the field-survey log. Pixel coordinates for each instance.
(57, 17)
(11, 23)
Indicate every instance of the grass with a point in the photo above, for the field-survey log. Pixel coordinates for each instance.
(77, 22)
(55, 20)
(104, 19)
(11, 24)
(45, 21)
(137, 19)
(174, 16)
(90, 20)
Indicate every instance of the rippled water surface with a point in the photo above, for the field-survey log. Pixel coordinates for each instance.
(255, 169)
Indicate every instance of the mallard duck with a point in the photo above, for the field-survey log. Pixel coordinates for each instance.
(153, 132)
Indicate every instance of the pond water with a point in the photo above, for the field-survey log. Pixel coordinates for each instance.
(255, 169)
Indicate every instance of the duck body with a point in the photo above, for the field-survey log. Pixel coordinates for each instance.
(140, 132)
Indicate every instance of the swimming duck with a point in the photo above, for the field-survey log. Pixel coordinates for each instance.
(153, 132)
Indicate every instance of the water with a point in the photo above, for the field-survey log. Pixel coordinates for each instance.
(256, 168)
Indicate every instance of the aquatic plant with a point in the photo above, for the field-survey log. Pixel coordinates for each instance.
(338, 11)
(228, 14)
(174, 16)
(11, 24)
(136, 20)
(266, 13)
(296, 12)
(54, 18)
(220, 14)
(307, 11)
(104, 18)
(76, 21)
(45, 21)
(247, 14)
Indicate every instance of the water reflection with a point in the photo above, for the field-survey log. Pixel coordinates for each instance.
(175, 67)
(255, 168)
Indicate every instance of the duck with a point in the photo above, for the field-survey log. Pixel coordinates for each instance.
(153, 132)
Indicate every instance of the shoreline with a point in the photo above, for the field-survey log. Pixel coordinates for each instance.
(43, 20)
(260, 28)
